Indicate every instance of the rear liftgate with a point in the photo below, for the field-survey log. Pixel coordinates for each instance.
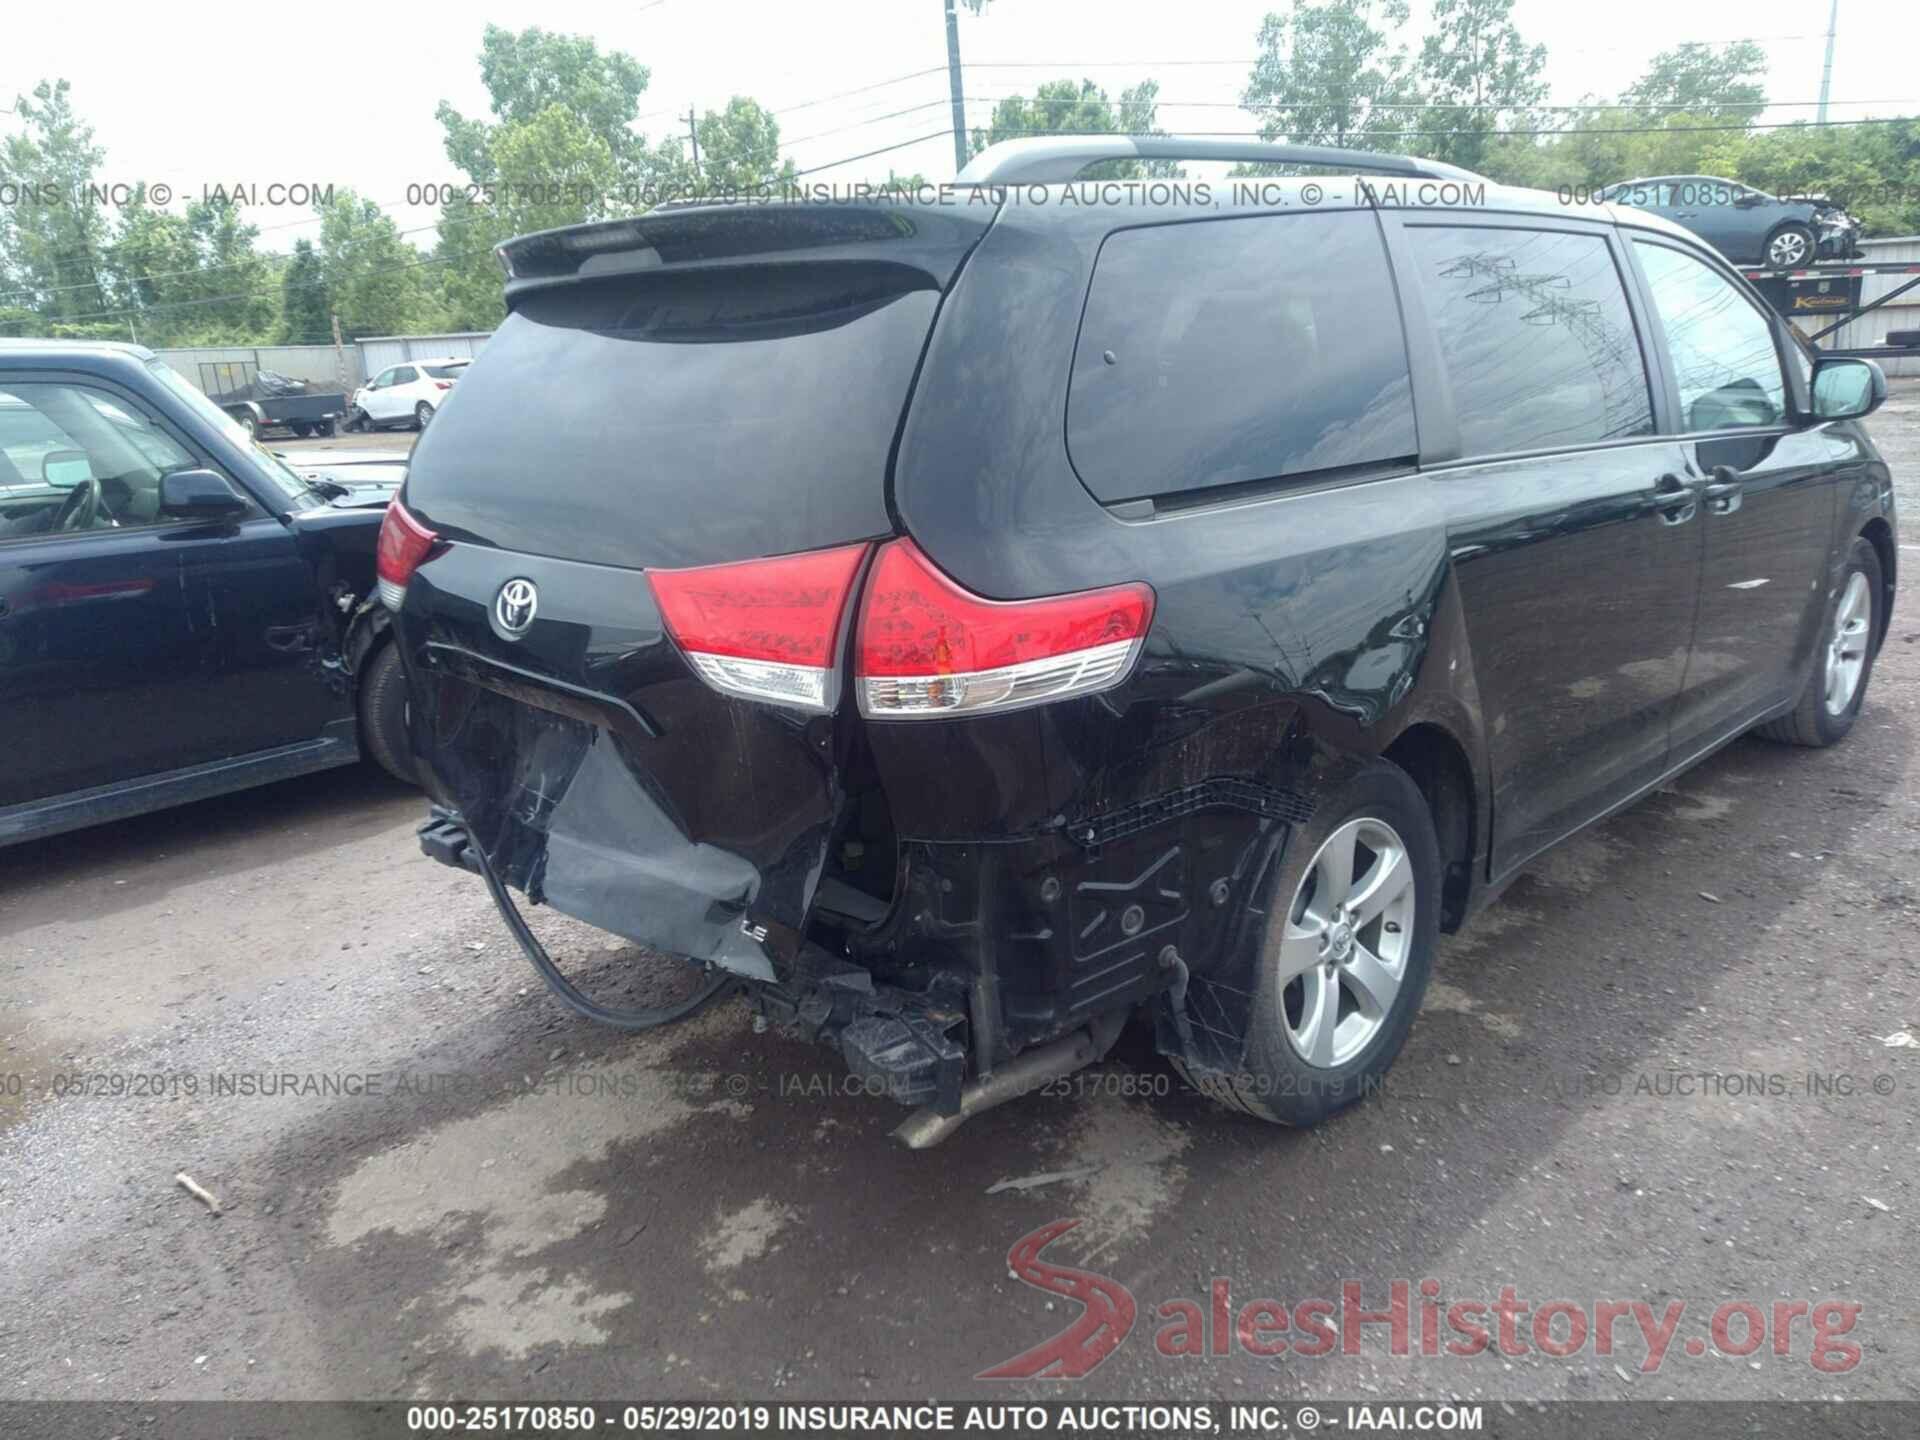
(642, 715)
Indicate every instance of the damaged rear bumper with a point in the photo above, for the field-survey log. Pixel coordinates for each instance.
(898, 1043)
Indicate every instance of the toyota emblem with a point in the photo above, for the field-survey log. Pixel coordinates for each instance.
(513, 607)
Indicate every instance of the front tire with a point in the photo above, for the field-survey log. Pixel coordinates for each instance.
(1843, 662)
(1353, 914)
(1790, 247)
(383, 712)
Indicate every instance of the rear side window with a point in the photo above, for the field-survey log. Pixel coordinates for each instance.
(1536, 337)
(1224, 351)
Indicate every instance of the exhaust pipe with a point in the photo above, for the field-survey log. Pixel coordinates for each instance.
(926, 1128)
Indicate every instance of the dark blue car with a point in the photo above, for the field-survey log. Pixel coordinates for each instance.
(181, 613)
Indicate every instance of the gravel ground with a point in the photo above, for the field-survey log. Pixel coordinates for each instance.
(462, 1190)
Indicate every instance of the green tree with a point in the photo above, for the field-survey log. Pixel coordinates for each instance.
(560, 148)
(1873, 170)
(192, 278)
(1712, 82)
(233, 290)
(1064, 107)
(527, 73)
(1476, 76)
(377, 280)
(1327, 74)
(53, 241)
(306, 309)
(740, 150)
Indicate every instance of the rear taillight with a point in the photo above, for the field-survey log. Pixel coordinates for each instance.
(764, 629)
(927, 648)
(443, 384)
(404, 544)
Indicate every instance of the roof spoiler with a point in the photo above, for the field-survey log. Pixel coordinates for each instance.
(1052, 160)
(720, 234)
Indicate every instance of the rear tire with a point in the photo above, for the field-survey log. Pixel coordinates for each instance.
(422, 415)
(1381, 823)
(1843, 662)
(383, 712)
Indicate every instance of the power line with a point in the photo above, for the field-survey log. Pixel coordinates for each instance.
(823, 99)
(251, 259)
(1362, 133)
(1245, 61)
(869, 154)
(139, 310)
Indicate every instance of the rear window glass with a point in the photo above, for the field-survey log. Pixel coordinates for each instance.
(651, 419)
(1536, 336)
(1226, 351)
(445, 372)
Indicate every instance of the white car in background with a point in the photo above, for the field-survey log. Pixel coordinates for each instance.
(405, 394)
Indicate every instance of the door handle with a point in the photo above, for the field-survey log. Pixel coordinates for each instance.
(1723, 492)
(1673, 499)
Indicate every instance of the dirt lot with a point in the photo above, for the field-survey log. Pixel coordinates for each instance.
(1654, 1072)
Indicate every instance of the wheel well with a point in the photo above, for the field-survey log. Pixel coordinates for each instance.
(367, 632)
(1879, 534)
(1438, 766)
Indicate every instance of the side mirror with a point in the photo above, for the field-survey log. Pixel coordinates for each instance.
(1847, 389)
(200, 495)
(64, 469)
(1746, 200)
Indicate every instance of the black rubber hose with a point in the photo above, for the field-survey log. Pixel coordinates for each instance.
(565, 990)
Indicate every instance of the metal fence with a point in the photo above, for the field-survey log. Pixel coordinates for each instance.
(1901, 314)
(319, 365)
(377, 352)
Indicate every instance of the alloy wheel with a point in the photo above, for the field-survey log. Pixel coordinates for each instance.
(1789, 248)
(1343, 948)
(1847, 643)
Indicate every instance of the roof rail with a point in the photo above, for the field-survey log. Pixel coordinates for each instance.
(1053, 160)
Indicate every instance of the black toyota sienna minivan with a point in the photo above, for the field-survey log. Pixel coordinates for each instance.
(965, 619)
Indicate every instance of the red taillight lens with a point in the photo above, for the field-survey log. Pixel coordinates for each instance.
(443, 384)
(404, 544)
(928, 648)
(765, 629)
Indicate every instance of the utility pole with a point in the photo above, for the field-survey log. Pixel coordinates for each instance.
(693, 134)
(959, 97)
(340, 357)
(1826, 71)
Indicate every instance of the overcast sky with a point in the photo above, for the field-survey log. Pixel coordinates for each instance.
(253, 94)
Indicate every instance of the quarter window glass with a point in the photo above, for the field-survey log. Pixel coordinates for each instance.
(1724, 360)
(1536, 336)
(1233, 350)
